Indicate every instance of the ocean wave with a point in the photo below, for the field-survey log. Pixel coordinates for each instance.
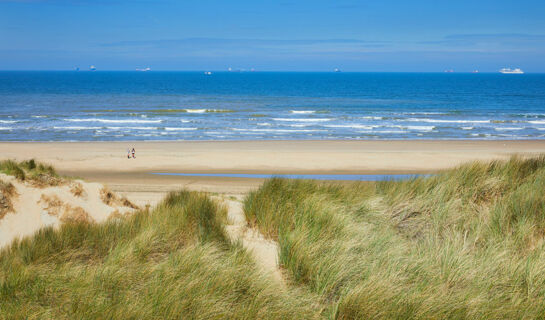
(277, 130)
(113, 121)
(351, 126)
(390, 131)
(444, 121)
(506, 121)
(195, 110)
(8, 121)
(207, 110)
(302, 119)
(421, 128)
(374, 118)
(264, 124)
(513, 136)
(508, 129)
(185, 121)
(423, 113)
(40, 116)
(132, 128)
(414, 128)
(6, 128)
(299, 125)
(537, 122)
(77, 128)
(467, 128)
(180, 129)
(302, 111)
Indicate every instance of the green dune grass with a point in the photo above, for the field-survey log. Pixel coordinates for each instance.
(465, 244)
(174, 262)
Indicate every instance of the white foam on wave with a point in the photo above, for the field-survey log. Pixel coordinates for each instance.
(351, 126)
(113, 121)
(444, 121)
(467, 128)
(511, 136)
(206, 110)
(276, 130)
(8, 121)
(132, 128)
(508, 128)
(5, 128)
(421, 128)
(537, 121)
(391, 131)
(302, 119)
(299, 125)
(373, 118)
(414, 128)
(40, 116)
(77, 128)
(302, 111)
(185, 121)
(264, 124)
(423, 112)
(180, 129)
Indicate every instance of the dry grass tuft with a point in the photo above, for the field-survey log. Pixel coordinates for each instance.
(110, 198)
(77, 190)
(52, 204)
(7, 192)
(75, 215)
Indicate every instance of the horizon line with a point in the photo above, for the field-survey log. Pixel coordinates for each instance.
(247, 71)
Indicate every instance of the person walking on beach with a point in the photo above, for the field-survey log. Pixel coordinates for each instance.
(133, 153)
(128, 153)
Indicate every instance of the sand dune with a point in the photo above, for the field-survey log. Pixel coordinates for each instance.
(32, 207)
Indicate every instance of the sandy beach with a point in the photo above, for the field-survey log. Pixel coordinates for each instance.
(107, 162)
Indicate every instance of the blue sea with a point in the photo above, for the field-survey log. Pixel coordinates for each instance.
(105, 106)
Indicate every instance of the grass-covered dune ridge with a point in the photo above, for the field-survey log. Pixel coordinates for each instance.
(39, 174)
(172, 262)
(467, 243)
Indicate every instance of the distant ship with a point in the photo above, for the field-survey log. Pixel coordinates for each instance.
(92, 68)
(144, 70)
(511, 71)
(475, 71)
(207, 73)
(337, 70)
(449, 70)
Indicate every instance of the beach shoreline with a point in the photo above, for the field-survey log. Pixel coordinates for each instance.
(106, 162)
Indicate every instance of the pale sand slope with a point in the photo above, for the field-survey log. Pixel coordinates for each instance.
(106, 162)
(264, 251)
(34, 208)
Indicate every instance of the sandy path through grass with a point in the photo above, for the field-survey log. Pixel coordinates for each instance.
(264, 251)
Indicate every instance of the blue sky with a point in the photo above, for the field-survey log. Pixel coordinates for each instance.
(318, 35)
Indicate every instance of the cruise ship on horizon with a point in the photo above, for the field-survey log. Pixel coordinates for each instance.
(511, 71)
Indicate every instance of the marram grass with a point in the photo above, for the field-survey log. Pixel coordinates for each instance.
(174, 262)
(464, 244)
